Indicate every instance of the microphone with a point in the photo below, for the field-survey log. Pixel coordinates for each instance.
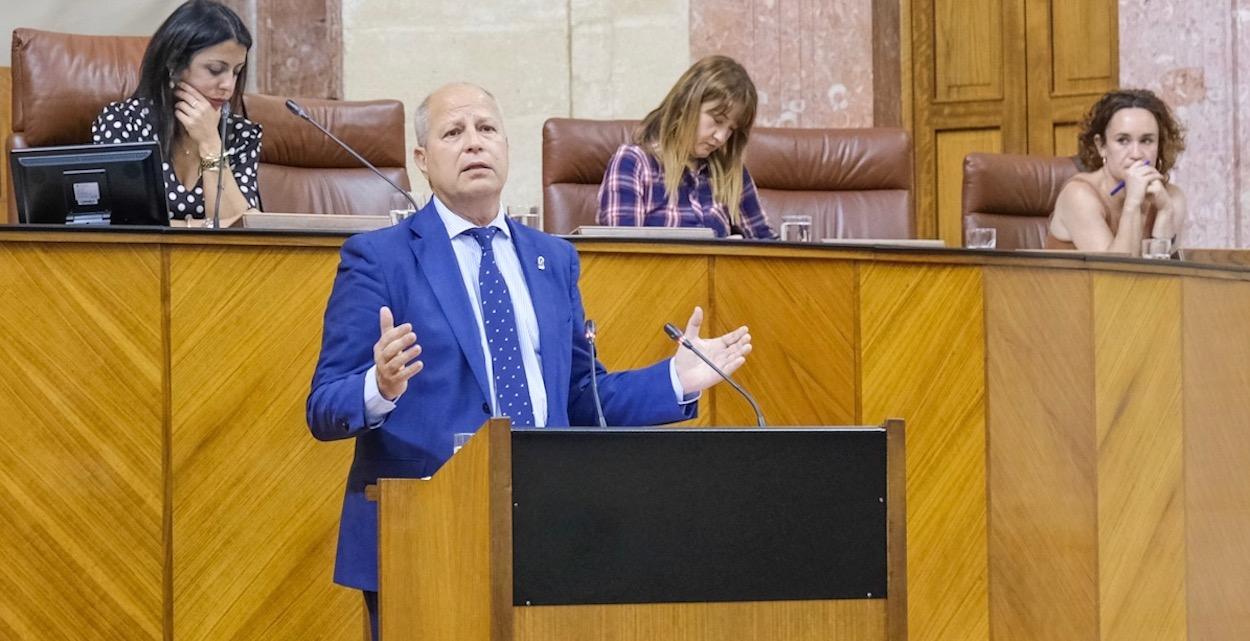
(681, 339)
(594, 371)
(299, 111)
(221, 163)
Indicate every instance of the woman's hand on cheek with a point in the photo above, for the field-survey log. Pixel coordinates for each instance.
(198, 118)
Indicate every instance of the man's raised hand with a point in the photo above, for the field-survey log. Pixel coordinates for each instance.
(394, 355)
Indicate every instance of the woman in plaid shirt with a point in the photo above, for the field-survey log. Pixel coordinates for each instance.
(685, 167)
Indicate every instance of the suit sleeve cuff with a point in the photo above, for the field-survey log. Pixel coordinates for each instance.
(377, 408)
(682, 397)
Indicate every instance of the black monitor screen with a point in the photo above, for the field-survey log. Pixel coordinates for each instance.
(117, 184)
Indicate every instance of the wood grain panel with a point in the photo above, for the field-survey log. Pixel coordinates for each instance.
(1065, 143)
(1084, 57)
(1217, 454)
(801, 315)
(631, 297)
(6, 127)
(1041, 456)
(969, 54)
(255, 498)
(922, 334)
(448, 542)
(1141, 533)
(862, 620)
(81, 441)
(952, 147)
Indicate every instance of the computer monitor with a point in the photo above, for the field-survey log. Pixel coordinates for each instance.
(117, 184)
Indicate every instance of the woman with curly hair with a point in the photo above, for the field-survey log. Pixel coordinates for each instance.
(1129, 141)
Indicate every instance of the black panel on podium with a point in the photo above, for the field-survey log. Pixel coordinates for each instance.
(654, 515)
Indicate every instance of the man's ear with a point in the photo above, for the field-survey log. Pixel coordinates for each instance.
(418, 156)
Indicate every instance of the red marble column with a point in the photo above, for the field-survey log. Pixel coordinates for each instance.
(297, 46)
(812, 60)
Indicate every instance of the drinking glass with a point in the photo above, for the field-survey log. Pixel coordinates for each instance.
(398, 215)
(1156, 248)
(459, 440)
(796, 228)
(527, 215)
(981, 238)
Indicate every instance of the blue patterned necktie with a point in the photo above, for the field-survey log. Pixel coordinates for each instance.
(511, 389)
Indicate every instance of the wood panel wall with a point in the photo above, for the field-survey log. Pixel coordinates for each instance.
(254, 533)
(922, 338)
(1042, 468)
(82, 469)
(1216, 370)
(1075, 459)
(1139, 432)
(803, 334)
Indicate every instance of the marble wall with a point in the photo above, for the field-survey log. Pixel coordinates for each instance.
(1196, 55)
(541, 59)
(811, 59)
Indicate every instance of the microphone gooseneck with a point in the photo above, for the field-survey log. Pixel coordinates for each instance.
(681, 339)
(223, 121)
(594, 371)
(294, 108)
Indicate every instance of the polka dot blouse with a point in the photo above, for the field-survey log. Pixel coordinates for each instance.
(128, 121)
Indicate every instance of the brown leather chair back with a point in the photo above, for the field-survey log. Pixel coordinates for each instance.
(1013, 194)
(855, 183)
(302, 170)
(62, 81)
(575, 156)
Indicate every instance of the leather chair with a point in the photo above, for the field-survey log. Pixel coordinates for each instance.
(1013, 194)
(62, 81)
(855, 183)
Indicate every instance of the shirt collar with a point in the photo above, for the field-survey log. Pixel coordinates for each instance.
(456, 225)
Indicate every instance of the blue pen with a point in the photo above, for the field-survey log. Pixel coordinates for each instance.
(1120, 185)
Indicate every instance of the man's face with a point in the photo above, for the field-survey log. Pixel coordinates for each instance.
(466, 150)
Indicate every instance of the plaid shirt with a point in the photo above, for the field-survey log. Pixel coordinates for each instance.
(633, 194)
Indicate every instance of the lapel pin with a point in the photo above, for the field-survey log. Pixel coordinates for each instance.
(542, 263)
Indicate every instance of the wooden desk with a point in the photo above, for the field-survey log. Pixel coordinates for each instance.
(1076, 461)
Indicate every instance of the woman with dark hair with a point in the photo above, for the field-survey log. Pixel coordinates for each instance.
(685, 167)
(1129, 141)
(195, 64)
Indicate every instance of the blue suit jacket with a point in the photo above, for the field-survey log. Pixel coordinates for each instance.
(412, 269)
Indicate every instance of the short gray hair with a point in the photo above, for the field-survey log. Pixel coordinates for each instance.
(421, 115)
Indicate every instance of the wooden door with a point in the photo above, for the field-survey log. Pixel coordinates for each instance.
(1013, 76)
(1073, 58)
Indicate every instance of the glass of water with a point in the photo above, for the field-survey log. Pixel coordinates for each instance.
(796, 228)
(981, 238)
(1156, 248)
(528, 215)
(458, 441)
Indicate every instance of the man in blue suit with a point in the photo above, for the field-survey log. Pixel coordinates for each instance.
(490, 324)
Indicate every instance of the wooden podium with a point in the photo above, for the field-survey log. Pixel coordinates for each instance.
(650, 534)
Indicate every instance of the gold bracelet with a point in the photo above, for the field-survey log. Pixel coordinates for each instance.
(213, 163)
